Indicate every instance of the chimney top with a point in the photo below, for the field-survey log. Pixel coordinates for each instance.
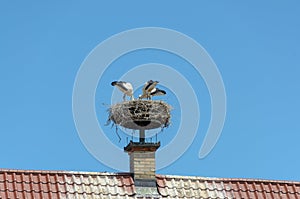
(142, 146)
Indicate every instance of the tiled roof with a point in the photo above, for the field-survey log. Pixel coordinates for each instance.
(199, 187)
(27, 184)
(58, 184)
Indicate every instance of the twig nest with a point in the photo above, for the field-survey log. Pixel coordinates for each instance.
(141, 114)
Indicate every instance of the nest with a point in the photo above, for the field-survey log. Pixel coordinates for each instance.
(141, 114)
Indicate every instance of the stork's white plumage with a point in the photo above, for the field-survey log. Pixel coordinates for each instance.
(157, 92)
(125, 87)
(148, 87)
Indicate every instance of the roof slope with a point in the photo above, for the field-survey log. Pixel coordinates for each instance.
(30, 184)
(58, 184)
(199, 187)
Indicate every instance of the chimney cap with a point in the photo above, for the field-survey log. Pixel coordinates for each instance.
(140, 146)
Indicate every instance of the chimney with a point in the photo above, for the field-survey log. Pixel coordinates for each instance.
(142, 162)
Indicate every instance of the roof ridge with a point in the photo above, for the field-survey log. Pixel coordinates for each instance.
(227, 179)
(65, 172)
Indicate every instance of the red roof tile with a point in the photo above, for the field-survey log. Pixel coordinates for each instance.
(27, 184)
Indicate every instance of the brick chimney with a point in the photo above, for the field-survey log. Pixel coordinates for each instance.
(142, 162)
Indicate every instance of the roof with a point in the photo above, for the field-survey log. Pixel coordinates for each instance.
(31, 184)
(199, 187)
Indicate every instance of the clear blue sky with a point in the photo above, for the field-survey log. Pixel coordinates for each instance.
(255, 46)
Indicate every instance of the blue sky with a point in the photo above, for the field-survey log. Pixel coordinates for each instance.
(254, 44)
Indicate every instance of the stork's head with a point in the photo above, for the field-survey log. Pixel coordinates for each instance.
(151, 81)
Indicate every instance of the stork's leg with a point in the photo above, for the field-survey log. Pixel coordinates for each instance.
(124, 97)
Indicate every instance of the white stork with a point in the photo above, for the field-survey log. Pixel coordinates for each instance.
(157, 92)
(125, 87)
(148, 87)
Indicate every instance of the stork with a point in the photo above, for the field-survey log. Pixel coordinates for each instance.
(125, 87)
(148, 87)
(156, 92)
